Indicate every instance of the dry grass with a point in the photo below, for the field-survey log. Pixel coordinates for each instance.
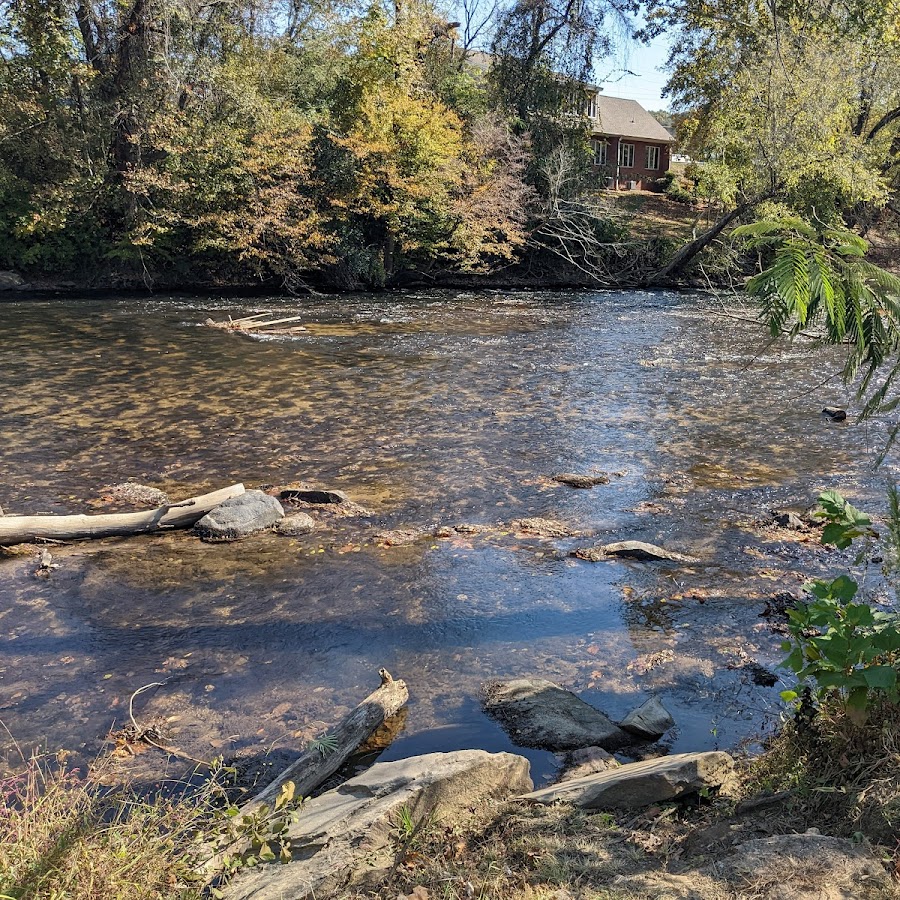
(65, 837)
(845, 778)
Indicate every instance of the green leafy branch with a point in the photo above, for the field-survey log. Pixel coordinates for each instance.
(845, 648)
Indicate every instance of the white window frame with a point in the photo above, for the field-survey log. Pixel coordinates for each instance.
(652, 150)
(626, 152)
(590, 106)
(601, 151)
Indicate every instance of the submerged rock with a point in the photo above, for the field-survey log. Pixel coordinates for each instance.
(539, 713)
(640, 784)
(835, 413)
(550, 528)
(630, 550)
(240, 516)
(574, 480)
(350, 832)
(296, 524)
(130, 493)
(650, 721)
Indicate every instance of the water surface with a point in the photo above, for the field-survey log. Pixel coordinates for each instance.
(425, 408)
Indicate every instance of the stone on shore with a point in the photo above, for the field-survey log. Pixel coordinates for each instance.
(641, 784)
(12, 281)
(835, 413)
(573, 479)
(240, 516)
(295, 525)
(650, 721)
(351, 832)
(786, 519)
(629, 550)
(538, 713)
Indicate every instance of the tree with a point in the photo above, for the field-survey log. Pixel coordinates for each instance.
(789, 102)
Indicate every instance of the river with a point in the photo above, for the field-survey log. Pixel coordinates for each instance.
(425, 408)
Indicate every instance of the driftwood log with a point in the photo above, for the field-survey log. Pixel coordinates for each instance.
(316, 766)
(21, 529)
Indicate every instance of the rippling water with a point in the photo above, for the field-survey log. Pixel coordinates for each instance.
(425, 408)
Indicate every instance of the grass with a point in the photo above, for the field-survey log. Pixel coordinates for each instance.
(64, 836)
(845, 778)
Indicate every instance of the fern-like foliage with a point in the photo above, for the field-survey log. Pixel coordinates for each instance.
(818, 276)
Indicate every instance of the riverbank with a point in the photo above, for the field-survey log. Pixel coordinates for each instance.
(772, 831)
(650, 228)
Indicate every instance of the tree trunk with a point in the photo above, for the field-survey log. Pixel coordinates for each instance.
(678, 263)
(21, 529)
(315, 766)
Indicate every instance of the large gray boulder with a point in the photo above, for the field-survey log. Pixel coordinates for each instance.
(252, 511)
(355, 828)
(539, 713)
(640, 784)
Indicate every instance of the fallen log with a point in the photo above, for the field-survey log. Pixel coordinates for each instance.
(21, 529)
(315, 766)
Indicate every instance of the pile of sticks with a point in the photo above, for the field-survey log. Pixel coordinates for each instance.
(257, 324)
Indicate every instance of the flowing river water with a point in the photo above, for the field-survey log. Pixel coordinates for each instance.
(425, 408)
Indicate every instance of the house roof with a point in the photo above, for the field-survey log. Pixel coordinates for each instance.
(627, 118)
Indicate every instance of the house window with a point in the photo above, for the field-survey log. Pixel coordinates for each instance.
(626, 155)
(653, 157)
(590, 106)
(600, 152)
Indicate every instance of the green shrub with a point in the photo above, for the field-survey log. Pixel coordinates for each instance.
(840, 648)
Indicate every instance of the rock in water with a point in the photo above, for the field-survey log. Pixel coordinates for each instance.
(580, 481)
(650, 721)
(295, 525)
(640, 784)
(835, 413)
(240, 516)
(314, 496)
(786, 519)
(587, 761)
(538, 713)
(548, 528)
(350, 832)
(630, 550)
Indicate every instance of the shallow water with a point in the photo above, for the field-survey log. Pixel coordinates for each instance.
(425, 408)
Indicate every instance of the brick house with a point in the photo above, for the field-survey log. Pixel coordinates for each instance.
(631, 149)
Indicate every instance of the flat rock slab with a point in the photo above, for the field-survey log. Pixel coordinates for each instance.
(539, 713)
(651, 720)
(640, 784)
(295, 525)
(630, 550)
(573, 479)
(353, 829)
(240, 516)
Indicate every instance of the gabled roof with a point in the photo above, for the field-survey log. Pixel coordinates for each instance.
(627, 118)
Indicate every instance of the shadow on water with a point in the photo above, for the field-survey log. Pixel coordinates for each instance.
(431, 408)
